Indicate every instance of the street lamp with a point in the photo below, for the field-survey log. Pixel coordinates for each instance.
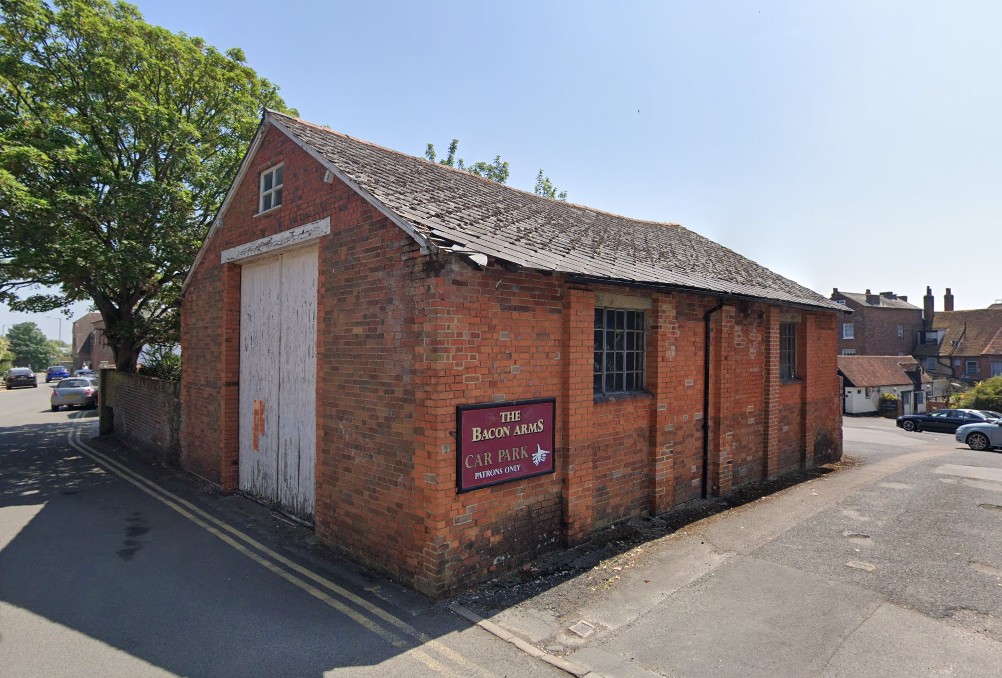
(60, 319)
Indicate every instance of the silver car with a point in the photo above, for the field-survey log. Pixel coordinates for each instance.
(983, 435)
(74, 392)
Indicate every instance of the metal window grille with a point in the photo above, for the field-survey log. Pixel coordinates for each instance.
(787, 350)
(619, 351)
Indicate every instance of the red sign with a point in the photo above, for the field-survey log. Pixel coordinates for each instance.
(502, 442)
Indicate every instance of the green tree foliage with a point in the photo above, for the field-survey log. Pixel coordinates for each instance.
(495, 171)
(986, 395)
(118, 141)
(545, 187)
(163, 363)
(58, 351)
(6, 355)
(29, 346)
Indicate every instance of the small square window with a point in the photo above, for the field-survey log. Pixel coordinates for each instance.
(271, 188)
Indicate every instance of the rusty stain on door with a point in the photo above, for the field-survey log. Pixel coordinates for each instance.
(258, 421)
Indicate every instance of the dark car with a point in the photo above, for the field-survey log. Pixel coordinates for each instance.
(946, 421)
(55, 373)
(20, 376)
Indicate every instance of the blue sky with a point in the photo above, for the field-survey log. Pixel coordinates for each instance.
(842, 144)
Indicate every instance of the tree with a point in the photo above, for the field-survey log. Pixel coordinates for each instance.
(495, 171)
(986, 395)
(118, 141)
(29, 346)
(58, 351)
(6, 355)
(546, 189)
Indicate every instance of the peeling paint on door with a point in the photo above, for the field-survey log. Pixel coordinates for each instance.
(278, 302)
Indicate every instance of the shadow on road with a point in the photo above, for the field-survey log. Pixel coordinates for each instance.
(83, 549)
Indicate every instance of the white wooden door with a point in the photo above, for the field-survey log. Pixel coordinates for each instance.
(278, 302)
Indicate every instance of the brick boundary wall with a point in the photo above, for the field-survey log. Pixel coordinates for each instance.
(144, 413)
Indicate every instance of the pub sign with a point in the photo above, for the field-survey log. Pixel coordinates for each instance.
(502, 442)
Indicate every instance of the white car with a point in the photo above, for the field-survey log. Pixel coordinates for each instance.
(983, 435)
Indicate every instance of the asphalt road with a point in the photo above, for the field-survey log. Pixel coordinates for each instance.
(109, 568)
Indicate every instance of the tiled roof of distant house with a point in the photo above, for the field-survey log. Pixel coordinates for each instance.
(966, 333)
(879, 370)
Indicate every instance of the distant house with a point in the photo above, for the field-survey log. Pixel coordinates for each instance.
(964, 346)
(881, 324)
(868, 377)
(89, 345)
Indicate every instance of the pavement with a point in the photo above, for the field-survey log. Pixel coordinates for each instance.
(888, 565)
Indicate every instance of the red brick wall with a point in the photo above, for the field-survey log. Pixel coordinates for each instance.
(143, 412)
(404, 338)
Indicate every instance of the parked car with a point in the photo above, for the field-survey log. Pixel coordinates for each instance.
(981, 436)
(55, 373)
(946, 421)
(86, 372)
(20, 376)
(74, 392)
(991, 414)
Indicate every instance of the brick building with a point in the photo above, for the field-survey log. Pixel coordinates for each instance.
(882, 324)
(964, 346)
(90, 347)
(448, 375)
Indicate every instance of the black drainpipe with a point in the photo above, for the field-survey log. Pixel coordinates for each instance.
(706, 394)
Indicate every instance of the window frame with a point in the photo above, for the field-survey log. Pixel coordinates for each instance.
(627, 377)
(901, 331)
(971, 367)
(270, 192)
(788, 358)
(848, 331)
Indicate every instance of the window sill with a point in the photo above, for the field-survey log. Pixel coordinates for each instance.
(791, 382)
(617, 397)
(267, 211)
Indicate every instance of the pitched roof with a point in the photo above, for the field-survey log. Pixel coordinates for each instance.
(882, 302)
(879, 370)
(449, 208)
(966, 333)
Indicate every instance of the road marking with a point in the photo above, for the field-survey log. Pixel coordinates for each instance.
(216, 527)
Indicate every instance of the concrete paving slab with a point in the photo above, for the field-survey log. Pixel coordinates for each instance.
(898, 642)
(747, 618)
(608, 664)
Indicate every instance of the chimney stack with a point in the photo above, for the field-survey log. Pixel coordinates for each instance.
(948, 300)
(928, 308)
(872, 299)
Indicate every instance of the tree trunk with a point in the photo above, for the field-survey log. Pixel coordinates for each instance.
(126, 354)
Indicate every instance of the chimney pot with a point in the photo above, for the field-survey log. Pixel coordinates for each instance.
(948, 300)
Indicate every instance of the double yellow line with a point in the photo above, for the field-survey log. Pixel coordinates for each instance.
(373, 618)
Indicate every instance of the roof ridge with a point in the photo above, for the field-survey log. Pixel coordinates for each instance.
(531, 194)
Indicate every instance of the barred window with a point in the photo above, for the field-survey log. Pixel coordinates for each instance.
(788, 350)
(619, 351)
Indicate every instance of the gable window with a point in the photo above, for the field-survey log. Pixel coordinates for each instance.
(901, 331)
(787, 350)
(619, 351)
(847, 331)
(971, 367)
(271, 188)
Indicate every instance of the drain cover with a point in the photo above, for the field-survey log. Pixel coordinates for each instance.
(583, 629)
